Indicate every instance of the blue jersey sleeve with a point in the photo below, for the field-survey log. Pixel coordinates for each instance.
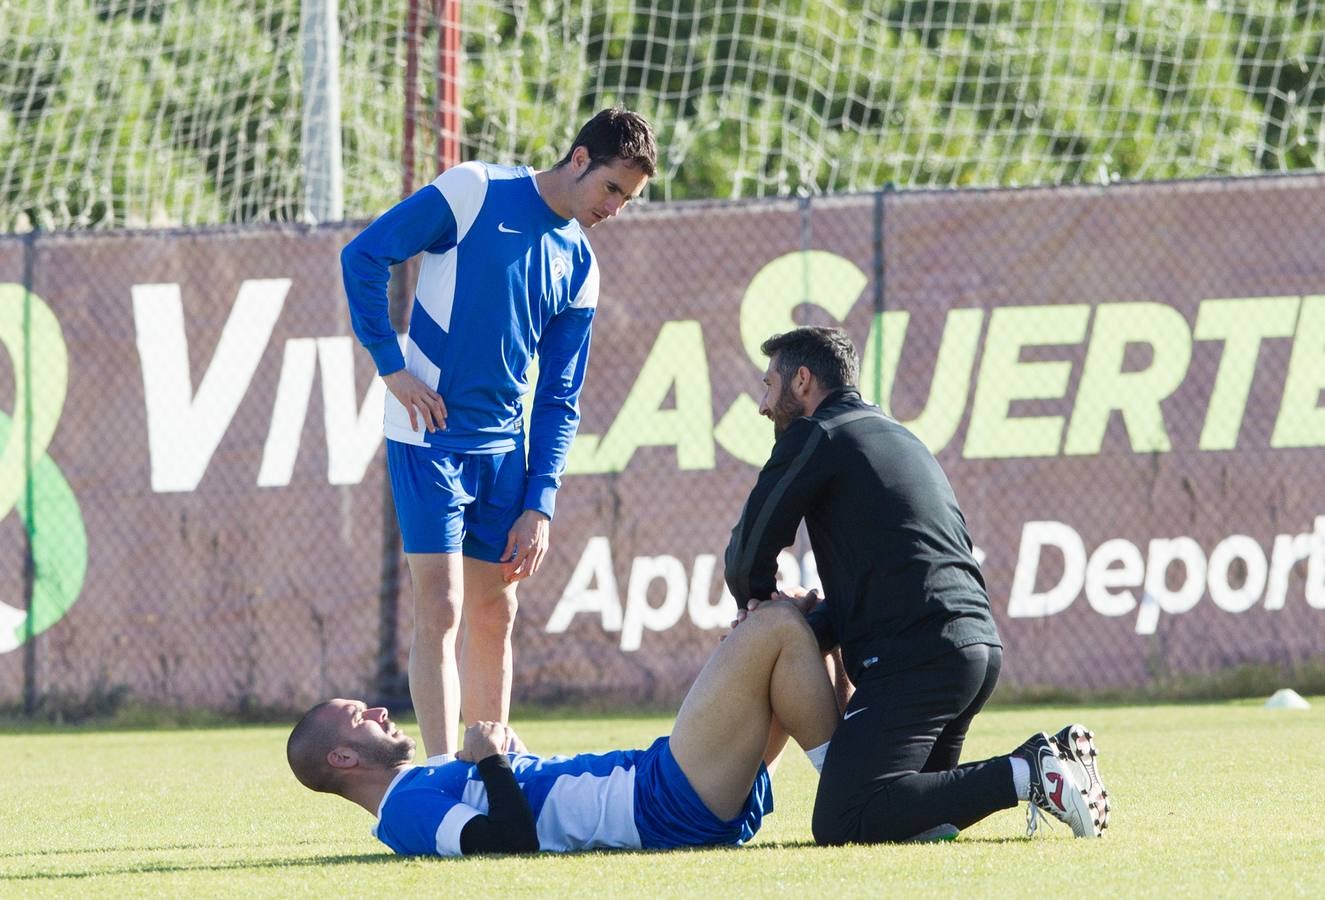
(422, 221)
(563, 358)
(424, 823)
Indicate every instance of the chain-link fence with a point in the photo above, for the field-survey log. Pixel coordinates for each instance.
(1123, 384)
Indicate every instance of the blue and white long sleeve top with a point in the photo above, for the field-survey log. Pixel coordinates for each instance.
(503, 277)
(621, 798)
(580, 802)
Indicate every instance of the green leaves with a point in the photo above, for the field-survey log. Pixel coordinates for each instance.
(133, 112)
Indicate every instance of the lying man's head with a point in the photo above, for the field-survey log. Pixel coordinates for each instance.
(338, 737)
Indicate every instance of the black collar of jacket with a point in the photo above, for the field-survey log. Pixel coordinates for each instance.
(847, 394)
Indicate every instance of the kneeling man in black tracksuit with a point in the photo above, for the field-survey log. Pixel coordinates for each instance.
(904, 600)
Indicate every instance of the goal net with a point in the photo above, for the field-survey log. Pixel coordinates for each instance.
(157, 112)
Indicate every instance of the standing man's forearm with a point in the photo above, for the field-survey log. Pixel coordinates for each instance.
(555, 418)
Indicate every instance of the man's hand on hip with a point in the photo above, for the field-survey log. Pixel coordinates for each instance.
(418, 399)
(526, 545)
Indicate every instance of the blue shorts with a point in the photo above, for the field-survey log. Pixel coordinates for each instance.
(447, 501)
(668, 812)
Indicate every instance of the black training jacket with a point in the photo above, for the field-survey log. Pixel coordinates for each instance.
(900, 582)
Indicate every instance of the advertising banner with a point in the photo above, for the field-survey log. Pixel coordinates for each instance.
(1123, 384)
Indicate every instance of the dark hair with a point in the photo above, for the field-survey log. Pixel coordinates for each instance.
(827, 352)
(614, 134)
(306, 750)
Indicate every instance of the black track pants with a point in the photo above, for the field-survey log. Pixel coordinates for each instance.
(891, 771)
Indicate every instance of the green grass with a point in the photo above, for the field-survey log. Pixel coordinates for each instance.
(1218, 799)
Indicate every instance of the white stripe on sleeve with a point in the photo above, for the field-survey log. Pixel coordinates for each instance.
(448, 833)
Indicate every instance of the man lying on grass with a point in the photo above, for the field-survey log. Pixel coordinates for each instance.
(705, 784)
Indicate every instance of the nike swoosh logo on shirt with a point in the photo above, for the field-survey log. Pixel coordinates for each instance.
(854, 712)
(501, 226)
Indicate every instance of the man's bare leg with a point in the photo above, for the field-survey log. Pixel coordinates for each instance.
(842, 687)
(485, 647)
(768, 666)
(434, 678)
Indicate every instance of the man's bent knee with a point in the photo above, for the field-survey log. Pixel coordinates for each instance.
(782, 619)
(880, 819)
(839, 804)
(831, 828)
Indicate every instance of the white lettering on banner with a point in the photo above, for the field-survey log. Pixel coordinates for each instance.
(288, 412)
(639, 614)
(789, 570)
(1102, 575)
(352, 440)
(1117, 563)
(704, 614)
(592, 589)
(810, 574)
(1108, 576)
(1227, 597)
(595, 565)
(184, 428)
(1024, 601)
(1288, 550)
(353, 436)
(1316, 566)
(1163, 553)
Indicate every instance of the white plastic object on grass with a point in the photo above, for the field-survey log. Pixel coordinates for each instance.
(1286, 698)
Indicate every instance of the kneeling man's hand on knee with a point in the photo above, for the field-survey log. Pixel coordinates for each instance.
(799, 597)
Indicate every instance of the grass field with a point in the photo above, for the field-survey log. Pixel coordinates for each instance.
(1211, 800)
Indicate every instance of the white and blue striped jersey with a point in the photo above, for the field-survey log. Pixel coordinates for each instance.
(621, 799)
(503, 277)
(579, 802)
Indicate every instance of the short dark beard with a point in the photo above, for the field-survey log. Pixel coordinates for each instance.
(787, 409)
(388, 754)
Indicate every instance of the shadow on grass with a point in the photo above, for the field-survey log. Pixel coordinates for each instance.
(149, 868)
(901, 845)
(136, 848)
(286, 862)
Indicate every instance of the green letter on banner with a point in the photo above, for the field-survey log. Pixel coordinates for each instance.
(993, 434)
(1241, 325)
(676, 360)
(1137, 395)
(938, 421)
(31, 482)
(816, 277)
(1301, 419)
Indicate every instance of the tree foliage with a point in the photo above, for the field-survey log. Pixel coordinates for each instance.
(130, 112)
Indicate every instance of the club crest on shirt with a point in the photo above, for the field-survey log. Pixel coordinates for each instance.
(560, 266)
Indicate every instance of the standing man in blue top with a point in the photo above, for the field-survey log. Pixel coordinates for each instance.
(507, 273)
